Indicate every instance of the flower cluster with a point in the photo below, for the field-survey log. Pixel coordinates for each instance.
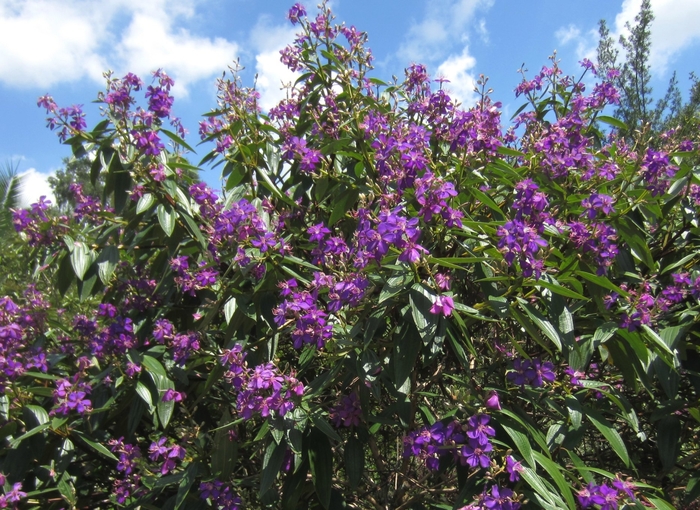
(170, 455)
(468, 443)
(347, 412)
(640, 308)
(531, 371)
(190, 280)
(497, 498)
(609, 498)
(13, 496)
(307, 313)
(261, 390)
(70, 395)
(221, 496)
(129, 481)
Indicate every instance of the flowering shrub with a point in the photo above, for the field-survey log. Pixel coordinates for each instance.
(395, 302)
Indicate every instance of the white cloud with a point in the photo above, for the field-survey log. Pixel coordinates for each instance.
(566, 34)
(268, 40)
(44, 42)
(456, 69)
(445, 22)
(675, 27)
(34, 185)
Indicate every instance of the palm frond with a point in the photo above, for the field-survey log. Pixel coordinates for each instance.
(10, 192)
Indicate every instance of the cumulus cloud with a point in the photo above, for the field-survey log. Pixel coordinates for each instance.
(44, 42)
(674, 28)
(273, 76)
(566, 34)
(461, 84)
(35, 184)
(444, 22)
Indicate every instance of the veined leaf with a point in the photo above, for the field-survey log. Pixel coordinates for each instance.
(612, 435)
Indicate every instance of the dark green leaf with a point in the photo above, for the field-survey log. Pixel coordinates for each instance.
(321, 463)
(166, 218)
(354, 461)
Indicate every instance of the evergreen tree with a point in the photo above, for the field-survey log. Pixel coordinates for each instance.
(75, 171)
(633, 78)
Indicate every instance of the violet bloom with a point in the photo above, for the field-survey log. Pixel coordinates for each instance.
(479, 429)
(295, 13)
(493, 402)
(443, 305)
(513, 469)
(475, 454)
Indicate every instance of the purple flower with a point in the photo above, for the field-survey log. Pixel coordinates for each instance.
(443, 305)
(493, 402)
(297, 11)
(475, 454)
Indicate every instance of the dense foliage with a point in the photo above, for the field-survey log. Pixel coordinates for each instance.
(394, 303)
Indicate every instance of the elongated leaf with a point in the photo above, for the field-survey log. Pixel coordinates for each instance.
(612, 435)
(145, 203)
(81, 257)
(612, 121)
(99, 448)
(107, 263)
(186, 484)
(272, 463)
(521, 443)
(321, 463)
(545, 326)
(153, 365)
(354, 461)
(163, 408)
(668, 434)
(553, 470)
(325, 427)
(166, 218)
(175, 138)
(225, 450)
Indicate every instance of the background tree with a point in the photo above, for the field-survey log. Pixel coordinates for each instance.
(74, 171)
(633, 80)
(10, 189)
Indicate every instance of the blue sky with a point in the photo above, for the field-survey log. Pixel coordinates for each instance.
(62, 47)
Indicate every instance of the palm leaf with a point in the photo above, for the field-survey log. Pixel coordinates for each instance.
(10, 192)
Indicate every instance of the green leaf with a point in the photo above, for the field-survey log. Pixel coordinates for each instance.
(421, 300)
(601, 281)
(272, 464)
(612, 435)
(166, 218)
(153, 365)
(163, 408)
(325, 427)
(612, 121)
(81, 258)
(321, 463)
(545, 326)
(175, 138)
(521, 442)
(354, 461)
(668, 435)
(145, 202)
(553, 470)
(145, 394)
(343, 204)
(230, 309)
(107, 263)
(186, 484)
(225, 450)
(102, 450)
(407, 345)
